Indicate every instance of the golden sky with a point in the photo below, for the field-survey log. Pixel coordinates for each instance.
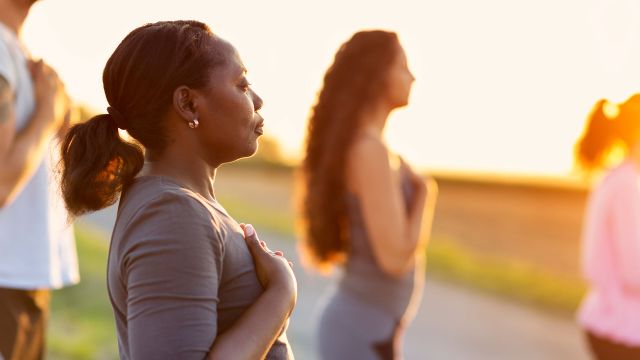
(502, 85)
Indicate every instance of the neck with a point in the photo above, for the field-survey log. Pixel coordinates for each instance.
(13, 16)
(199, 180)
(376, 118)
(194, 174)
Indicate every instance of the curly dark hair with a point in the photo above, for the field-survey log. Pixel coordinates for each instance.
(356, 79)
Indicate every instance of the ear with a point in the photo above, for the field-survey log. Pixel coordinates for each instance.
(183, 102)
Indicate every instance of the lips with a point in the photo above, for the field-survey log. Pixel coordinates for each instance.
(258, 130)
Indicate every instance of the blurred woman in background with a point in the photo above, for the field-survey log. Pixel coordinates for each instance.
(610, 313)
(362, 206)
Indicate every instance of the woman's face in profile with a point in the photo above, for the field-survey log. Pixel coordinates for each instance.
(400, 80)
(228, 110)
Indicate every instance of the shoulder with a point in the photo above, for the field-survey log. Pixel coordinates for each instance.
(364, 145)
(368, 153)
(160, 222)
(155, 191)
(618, 186)
(622, 176)
(157, 208)
(368, 159)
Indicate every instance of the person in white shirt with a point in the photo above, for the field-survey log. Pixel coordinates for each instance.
(37, 247)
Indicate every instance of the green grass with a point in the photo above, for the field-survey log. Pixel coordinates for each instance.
(259, 216)
(82, 325)
(505, 277)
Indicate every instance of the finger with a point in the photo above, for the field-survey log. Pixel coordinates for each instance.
(254, 244)
(249, 228)
(251, 237)
(279, 253)
(266, 248)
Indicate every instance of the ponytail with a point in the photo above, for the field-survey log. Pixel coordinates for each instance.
(599, 137)
(96, 164)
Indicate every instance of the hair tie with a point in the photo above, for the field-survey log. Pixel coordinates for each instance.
(117, 117)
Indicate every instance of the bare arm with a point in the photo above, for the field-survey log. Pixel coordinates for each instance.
(394, 232)
(431, 186)
(21, 151)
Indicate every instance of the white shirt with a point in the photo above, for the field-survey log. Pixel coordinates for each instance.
(37, 246)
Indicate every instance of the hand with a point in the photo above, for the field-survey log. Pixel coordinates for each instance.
(419, 184)
(273, 269)
(53, 105)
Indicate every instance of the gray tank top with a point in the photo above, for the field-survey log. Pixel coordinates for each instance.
(363, 278)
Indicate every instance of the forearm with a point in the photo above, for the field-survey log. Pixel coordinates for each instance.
(258, 328)
(414, 232)
(415, 225)
(21, 160)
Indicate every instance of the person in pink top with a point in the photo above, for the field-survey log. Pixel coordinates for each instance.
(610, 312)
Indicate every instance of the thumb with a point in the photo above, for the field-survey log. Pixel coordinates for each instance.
(251, 237)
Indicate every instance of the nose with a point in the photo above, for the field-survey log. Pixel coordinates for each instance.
(257, 101)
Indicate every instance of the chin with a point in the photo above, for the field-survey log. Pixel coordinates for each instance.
(250, 150)
(401, 104)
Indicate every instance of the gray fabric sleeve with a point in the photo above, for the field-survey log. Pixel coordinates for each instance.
(172, 269)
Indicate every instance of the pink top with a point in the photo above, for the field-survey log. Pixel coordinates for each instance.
(611, 257)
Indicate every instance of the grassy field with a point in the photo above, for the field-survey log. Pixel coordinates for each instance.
(82, 325)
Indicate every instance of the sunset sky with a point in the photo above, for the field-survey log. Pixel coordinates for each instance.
(502, 85)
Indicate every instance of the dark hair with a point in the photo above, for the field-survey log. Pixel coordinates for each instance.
(139, 80)
(356, 79)
(604, 132)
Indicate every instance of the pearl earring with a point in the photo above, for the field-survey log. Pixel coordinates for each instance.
(193, 123)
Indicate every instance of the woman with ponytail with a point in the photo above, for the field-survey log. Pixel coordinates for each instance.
(362, 206)
(185, 280)
(610, 313)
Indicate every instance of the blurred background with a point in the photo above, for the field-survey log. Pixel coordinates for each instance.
(502, 93)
